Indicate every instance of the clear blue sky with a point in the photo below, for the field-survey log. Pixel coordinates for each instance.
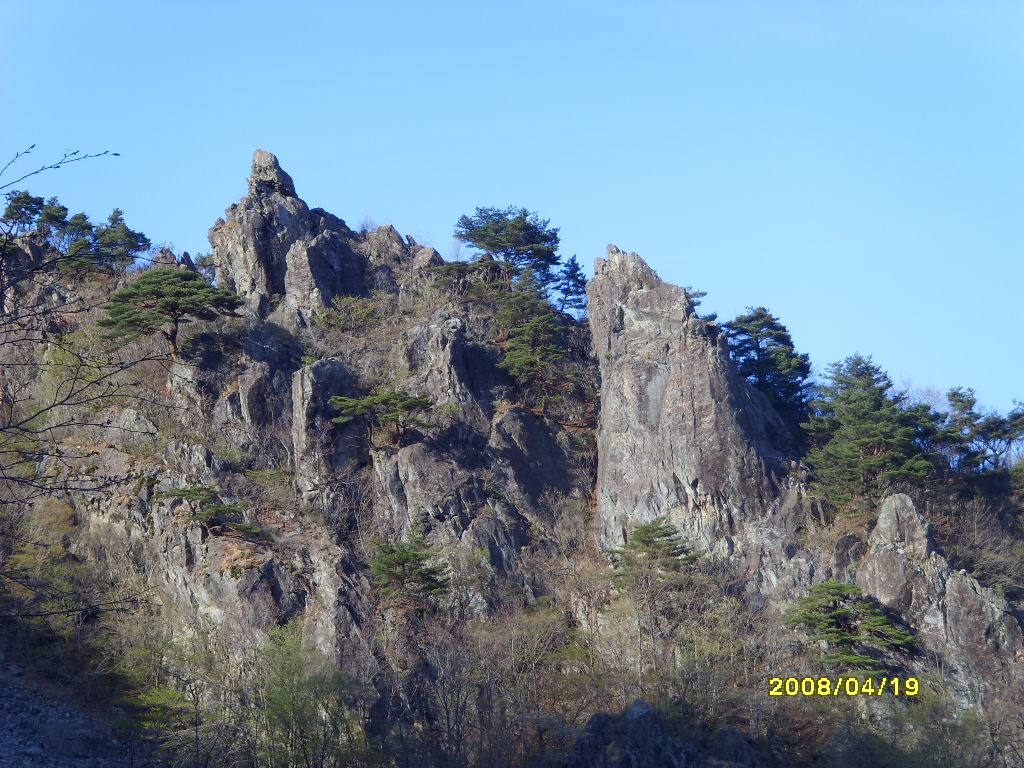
(855, 166)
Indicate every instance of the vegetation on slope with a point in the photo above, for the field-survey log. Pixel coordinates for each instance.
(465, 667)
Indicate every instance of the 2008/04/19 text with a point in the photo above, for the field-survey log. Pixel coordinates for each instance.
(843, 686)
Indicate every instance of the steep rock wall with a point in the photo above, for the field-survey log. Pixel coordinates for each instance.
(681, 435)
(969, 630)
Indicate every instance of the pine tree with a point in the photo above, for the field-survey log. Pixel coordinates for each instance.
(841, 616)
(111, 246)
(21, 211)
(764, 354)
(959, 431)
(391, 408)
(533, 348)
(572, 288)
(516, 236)
(402, 569)
(161, 301)
(114, 246)
(863, 439)
(655, 548)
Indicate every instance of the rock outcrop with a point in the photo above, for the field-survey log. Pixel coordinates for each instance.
(276, 253)
(968, 629)
(681, 435)
(280, 255)
(499, 485)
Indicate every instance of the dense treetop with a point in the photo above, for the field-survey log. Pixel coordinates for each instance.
(513, 235)
(160, 301)
(110, 246)
(764, 354)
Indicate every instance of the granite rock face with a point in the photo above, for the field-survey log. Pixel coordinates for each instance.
(280, 255)
(966, 626)
(681, 435)
(276, 253)
(314, 452)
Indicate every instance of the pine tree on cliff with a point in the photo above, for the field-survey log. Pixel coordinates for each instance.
(161, 301)
(82, 245)
(863, 439)
(849, 623)
(764, 354)
(402, 569)
(516, 236)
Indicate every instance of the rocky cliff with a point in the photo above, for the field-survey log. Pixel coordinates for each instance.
(491, 481)
(503, 485)
(681, 436)
(968, 631)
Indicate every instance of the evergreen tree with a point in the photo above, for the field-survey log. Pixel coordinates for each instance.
(53, 215)
(111, 246)
(393, 408)
(847, 621)
(863, 439)
(21, 211)
(403, 569)
(161, 301)
(572, 288)
(959, 431)
(533, 348)
(114, 245)
(73, 237)
(654, 548)
(695, 297)
(516, 236)
(764, 354)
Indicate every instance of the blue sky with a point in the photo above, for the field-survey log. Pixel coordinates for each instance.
(857, 167)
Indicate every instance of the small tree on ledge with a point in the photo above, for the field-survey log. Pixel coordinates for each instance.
(395, 409)
(401, 570)
(161, 301)
(843, 617)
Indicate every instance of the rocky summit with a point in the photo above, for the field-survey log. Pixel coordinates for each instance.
(392, 510)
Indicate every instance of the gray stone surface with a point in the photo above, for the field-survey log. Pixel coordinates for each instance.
(968, 626)
(277, 254)
(681, 435)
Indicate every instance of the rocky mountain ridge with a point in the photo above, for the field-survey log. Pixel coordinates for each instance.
(506, 487)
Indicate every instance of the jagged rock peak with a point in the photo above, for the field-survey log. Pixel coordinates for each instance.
(165, 258)
(681, 435)
(625, 273)
(277, 254)
(267, 175)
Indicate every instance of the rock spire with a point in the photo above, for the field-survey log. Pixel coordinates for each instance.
(681, 435)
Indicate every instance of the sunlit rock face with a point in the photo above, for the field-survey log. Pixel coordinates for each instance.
(276, 253)
(971, 629)
(681, 435)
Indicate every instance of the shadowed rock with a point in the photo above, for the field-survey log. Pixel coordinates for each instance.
(968, 626)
